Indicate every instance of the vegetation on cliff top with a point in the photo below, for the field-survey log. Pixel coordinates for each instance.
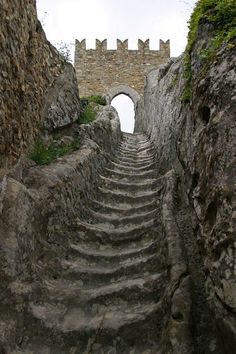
(221, 14)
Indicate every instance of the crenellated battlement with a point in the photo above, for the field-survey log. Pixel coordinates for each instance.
(123, 46)
(101, 68)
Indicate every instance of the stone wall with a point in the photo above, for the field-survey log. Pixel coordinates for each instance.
(99, 70)
(198, 141)
(38, 89)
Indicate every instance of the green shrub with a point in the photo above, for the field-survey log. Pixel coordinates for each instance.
(98, 99)
(43, 154)
(94, 98)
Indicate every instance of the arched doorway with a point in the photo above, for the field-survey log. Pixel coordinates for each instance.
(123, 89)
(125, 108)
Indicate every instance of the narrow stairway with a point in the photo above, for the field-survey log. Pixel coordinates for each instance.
(107, 299)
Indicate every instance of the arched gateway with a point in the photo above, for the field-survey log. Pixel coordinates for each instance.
(122, 89)
(108, 73)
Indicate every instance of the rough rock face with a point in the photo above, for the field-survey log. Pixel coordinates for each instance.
(36, 205)
(38, 89)
(198, 140)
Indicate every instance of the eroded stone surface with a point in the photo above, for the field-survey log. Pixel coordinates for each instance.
(198, 141)
(35, 204)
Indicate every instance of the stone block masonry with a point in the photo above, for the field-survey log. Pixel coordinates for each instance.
(98, 70)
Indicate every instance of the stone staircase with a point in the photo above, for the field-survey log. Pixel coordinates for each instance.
(108, 297)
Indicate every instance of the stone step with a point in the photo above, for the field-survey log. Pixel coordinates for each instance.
(137, 326)
(133, 147)
(139, 152)
(94, 242)
(107, 233)
(131, 161)
(124, 209)
(136, 141)
(130, 186)
(133, 164)
(93, 273)
(117, 220)
(140, 289)
(123, 167)
(132, 198)
(134, 136)
(126, 177)
(111, 253)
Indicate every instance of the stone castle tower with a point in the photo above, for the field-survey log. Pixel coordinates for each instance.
(101, 70)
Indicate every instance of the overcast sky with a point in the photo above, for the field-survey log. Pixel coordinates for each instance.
(65, 20)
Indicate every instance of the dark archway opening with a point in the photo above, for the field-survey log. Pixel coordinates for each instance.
(125, 108)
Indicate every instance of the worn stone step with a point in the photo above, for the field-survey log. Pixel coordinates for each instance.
(136, 153)
(126, 177)
(132, 198)
(132, 164)
(124, 209)
(130, 186)
(143, 151)
(130, 161)
(104, 238)
(111, 253)
(122, 167)
(109, 233)
(136, 325)
(81, 269)
(117, 220)
(139, 290)
(136, 141)
(98, 242)
(134, 157)
(132, 147)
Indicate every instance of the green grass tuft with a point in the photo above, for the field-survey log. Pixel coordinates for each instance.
(43, 155)
(87, 115)
(96, 99)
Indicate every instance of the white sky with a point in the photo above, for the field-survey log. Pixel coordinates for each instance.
(66, 20)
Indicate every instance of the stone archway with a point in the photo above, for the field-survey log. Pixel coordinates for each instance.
(122, 89)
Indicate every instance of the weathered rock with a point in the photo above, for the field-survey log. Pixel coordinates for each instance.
(198, 140)
(38, 88)
(61, 102)
(36, 204)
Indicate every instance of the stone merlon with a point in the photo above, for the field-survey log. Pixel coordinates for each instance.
(100, 70)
